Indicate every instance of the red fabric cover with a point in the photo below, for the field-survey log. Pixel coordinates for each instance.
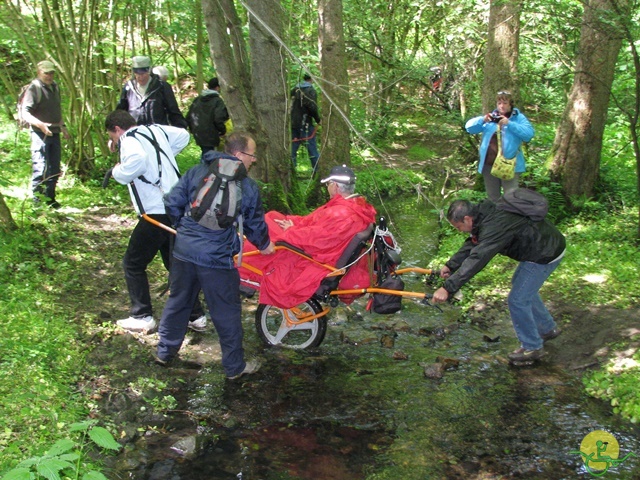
(289, 279)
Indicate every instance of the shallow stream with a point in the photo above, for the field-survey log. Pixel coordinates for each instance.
(361, 407)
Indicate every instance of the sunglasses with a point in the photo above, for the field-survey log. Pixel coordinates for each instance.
(504, 92)
(140, 70)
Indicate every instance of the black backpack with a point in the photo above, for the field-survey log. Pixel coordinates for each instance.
(219, 198)
(525, 202)
(303, 98)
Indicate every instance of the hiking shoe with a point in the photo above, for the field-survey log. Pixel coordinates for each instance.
(177, 362)
(144, 325)
(161, 362)
(551, 334)
(524, 355)
(199, 324)
(252, 366)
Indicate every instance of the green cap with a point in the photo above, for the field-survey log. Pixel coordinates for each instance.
(46, 66)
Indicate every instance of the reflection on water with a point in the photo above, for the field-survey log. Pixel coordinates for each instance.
(356, 408)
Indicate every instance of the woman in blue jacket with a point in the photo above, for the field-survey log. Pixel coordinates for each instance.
(515, 129)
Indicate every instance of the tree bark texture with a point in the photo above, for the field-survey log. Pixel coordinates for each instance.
(254, 87)
(501, 58)
(270, 90)
(578, 142)
(6, 220)
(334, 145)
(231, 59)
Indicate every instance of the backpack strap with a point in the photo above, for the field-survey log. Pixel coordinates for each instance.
(154, 142)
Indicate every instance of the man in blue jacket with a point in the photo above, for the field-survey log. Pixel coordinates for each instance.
(538, 246)
(203, 259)
(515, 129)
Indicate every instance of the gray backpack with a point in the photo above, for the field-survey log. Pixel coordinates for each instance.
(219, 198)
(525, 202)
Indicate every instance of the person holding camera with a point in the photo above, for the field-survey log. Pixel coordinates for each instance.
(515, 129)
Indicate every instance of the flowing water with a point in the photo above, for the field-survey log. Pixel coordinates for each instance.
(361, 407)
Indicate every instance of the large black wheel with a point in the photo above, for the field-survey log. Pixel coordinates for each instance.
(274, 328)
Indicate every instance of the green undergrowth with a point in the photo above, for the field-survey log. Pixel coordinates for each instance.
(42, 352)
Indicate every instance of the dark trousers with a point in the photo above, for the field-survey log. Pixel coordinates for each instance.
(221, 290)
(144, 244)
(46, 153)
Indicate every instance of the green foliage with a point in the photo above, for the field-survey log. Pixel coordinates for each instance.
(67, 457)
(376, 181)
(619, 385)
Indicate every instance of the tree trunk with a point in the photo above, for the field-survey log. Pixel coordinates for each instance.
(231, 59)
(334, 145)
(254, 87)
(501, 60)
(578, 142)
(6, 220)
(199, 46)
(269, 85)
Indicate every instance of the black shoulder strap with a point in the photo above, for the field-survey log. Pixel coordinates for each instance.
(154, 142)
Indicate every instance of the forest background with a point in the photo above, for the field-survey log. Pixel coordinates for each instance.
(573, 67)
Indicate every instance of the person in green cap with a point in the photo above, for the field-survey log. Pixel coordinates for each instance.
(42, 110)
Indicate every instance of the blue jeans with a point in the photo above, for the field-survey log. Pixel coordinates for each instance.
(529, 315)
(312, 146)
(221, 290)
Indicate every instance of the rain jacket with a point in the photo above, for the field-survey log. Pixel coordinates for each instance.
(213, 248)
(206, 117)
(288, 279)
(518, 130)
(157, 106)
(499, 232)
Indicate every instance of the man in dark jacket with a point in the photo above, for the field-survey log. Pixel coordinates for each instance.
(148, 99)
(203, 259)
(207, 116)
(538, 246)
(304, 110)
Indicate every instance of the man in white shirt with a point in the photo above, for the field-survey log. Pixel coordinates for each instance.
(148, 166)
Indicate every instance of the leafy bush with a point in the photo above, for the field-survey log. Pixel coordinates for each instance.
(66, 458)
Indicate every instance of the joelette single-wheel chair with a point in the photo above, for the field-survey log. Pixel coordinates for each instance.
(305, 325)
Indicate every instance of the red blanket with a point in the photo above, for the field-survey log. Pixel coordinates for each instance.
(288, 279)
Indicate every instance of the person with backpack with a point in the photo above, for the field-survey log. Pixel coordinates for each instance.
(514, 128)
(204, 250)
(538, 246)
(41, 108)
(304, 110)
(148, 167)
(149, 99)
(207, 116)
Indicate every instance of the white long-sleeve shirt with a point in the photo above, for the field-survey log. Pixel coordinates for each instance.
(138, 157)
